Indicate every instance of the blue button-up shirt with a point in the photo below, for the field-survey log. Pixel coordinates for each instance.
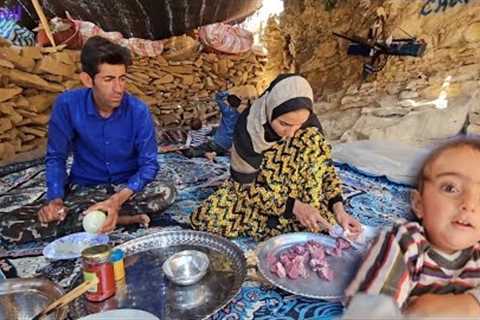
(120, 149)
(224, 133)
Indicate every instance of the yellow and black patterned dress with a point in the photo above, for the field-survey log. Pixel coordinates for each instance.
(300, 168)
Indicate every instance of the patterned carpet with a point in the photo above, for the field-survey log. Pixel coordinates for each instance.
(375, 201)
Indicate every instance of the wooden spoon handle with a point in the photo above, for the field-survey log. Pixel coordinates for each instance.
(66, 298)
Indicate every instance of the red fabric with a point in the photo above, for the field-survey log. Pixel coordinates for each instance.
(70, 37)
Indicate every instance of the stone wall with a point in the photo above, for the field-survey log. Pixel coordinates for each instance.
(412, 100)
(177, 86)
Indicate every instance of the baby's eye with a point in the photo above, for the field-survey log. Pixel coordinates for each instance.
(450, 188)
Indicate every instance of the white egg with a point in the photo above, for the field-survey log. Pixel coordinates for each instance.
(93, 221)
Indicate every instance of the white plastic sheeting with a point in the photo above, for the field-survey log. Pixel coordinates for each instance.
(398, 162)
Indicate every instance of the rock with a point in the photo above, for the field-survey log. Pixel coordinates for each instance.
(322, 106)
(418, 127)
(70, 84)
(408, 95)
(7, 109)
(453, 37)
(472, 33)
(36, 131)
(6, 64)
(168, 78)
(50, 65)
(393, 88)
(40, 103)
(416, 83)
(246, 92)
(350, 100)
(41, 119)
(407, 103)
(7, 150)
(359, 102)
(5, 124)
(29, 80)
(386, 112)
(327, 49)
(434, 91)
(33, 53)
(466, 73)
(8, 93)
(64, 57)
(21, 62)
(334, 124)
(185, 69)
(387, 101)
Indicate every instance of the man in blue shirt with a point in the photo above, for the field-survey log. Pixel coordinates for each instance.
(111, 136)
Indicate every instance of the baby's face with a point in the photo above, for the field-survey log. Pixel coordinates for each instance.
(449, 205)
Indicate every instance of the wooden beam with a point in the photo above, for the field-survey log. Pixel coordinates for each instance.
(44, 21)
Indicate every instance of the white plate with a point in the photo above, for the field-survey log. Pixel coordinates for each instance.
(72, 245)
(121, 314)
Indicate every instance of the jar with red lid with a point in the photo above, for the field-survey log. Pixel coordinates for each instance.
(96, 264)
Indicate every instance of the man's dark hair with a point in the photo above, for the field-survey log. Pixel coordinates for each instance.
(98, 50)
(471, 143)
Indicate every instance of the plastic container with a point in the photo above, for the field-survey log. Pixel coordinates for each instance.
(116, 259)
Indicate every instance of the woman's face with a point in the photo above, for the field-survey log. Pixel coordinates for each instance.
(288, 124)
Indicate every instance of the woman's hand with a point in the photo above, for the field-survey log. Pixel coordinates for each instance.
(347, 222)
(310, 217)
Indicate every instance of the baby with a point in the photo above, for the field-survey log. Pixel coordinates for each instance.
(432, 267)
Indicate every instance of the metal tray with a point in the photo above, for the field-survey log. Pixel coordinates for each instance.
(147, 288)
(25, 298)
(313, 286)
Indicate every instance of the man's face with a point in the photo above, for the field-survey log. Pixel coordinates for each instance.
(288, 124)
(109, 85)
(449, 205)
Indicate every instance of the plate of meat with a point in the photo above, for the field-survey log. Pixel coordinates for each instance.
(309, 264)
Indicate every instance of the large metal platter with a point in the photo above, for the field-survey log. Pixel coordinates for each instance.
(313, 286)
(148, 289)
(25, 298)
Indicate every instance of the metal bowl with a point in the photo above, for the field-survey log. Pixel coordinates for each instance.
(25, 298)
(186, 267)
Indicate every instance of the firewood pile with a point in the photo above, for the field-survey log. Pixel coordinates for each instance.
(176, 90)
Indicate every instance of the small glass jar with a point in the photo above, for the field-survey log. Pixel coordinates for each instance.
(96, 264)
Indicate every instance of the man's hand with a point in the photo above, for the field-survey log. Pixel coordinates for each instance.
(112, 207)
(53, 211)
(347, 222)
(444, 305)
(310, 217)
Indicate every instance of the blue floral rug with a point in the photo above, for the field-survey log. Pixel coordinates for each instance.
(375, 201)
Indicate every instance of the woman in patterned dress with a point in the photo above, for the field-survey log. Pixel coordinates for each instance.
(282, 175)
